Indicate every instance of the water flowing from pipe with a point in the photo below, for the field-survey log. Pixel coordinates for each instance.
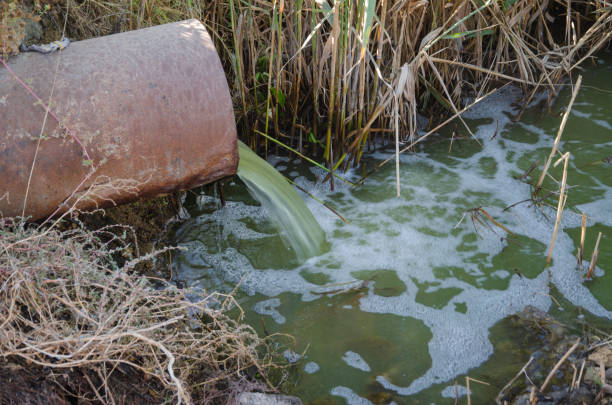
(284, 205)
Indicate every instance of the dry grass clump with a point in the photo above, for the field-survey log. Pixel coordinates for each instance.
(66, 305)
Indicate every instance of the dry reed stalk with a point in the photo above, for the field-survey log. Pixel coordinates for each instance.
(507, 386)
(270, 64)
(574, 375)
(580, 374)
(238, 63)
(279, 56)
(556, 367)
(560, 205)
(589, 274)
(581, 248)
(333, 44)
(467, 383)
(297, 73)
(559, 133)
(452, 48)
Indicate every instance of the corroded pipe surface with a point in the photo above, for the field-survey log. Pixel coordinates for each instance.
(151, 107)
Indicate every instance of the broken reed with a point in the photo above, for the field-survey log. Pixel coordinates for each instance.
(335, 76)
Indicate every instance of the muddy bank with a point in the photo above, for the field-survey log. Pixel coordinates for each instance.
(566, 367)
(33, 385)
(142, 224)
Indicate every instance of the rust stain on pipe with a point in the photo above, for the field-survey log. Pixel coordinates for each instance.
(151, 107)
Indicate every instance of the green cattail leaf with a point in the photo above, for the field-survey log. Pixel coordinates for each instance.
(339, 162)
(368, 18)
(289, 148)
(280, 96)
(469, 34)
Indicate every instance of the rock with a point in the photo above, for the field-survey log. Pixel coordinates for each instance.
(521, 400)
(534, 318)
(582, 395)
(32, 32)
(602, 355)
(558, 395)
(258, 398)
(591, 375)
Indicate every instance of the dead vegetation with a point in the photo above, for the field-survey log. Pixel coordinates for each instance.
(327, 76)
(66, 308)
(567, 369)
(334, 75)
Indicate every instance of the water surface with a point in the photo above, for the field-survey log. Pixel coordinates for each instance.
(409, 295)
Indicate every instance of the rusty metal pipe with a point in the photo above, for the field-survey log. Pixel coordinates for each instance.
(151, 108)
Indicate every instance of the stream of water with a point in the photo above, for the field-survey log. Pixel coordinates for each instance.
(408, 296)
(298, 227)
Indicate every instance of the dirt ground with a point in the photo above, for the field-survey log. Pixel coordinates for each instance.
(33, 385)
(144, 223)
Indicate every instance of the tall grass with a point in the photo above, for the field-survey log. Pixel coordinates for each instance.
(334, 77)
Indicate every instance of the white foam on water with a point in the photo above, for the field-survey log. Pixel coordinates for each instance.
(349, 395)
(355, 360)
(452, 392)
(601, 209)
(599, 122)
(268, 307)
(503, 274)
(311, 367)
(418, 233)
(291, 356)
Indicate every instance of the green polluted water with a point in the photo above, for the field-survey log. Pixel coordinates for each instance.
(414, 293)
(299, 228)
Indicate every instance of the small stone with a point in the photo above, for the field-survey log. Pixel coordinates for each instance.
(591, 374)
(558, 395)
(258, 398)
(580, 396)
(521, 400)
(602, 355)
(33, 31)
